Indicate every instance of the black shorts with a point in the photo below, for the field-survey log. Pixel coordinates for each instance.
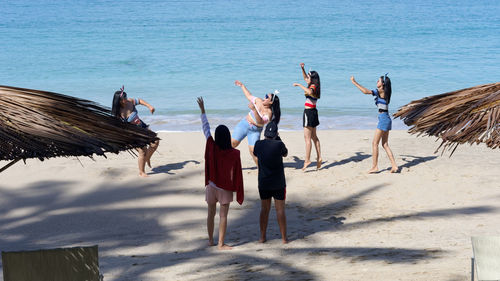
(278, 194)
(310, 117)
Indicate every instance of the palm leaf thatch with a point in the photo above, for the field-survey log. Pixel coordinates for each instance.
(39, 124)
(470, 115)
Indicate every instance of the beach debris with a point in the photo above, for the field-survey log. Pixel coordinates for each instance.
(469, 115)
(40, 124)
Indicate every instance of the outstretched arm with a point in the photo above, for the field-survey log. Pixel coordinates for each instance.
(303, 70)
(307, 91)
(204, 120)
(247, 93)
(145, 103)
(361, 88)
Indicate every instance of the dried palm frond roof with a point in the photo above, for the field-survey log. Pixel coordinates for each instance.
(39, 124)
(469, 115)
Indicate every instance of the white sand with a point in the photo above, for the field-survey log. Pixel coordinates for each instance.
(343, 223)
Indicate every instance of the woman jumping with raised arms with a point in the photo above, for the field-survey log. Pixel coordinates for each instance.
(310, 118)
(262, 111)
(382, 99)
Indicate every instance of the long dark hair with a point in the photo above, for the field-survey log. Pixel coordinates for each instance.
(115, 109)
(223, 137)
(276, 109)
(315, 80)
(386, 82)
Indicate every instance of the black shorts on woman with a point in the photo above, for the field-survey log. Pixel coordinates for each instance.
(278, 194)
(310, 118)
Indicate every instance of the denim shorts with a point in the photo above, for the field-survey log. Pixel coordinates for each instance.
(245, 129)
(384, 121)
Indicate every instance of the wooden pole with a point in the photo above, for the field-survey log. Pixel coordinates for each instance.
(8, 165)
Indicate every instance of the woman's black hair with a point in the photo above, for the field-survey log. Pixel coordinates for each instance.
(223, 137)
(115, 109)
(276, 109)
(387, 87)
(315, 80)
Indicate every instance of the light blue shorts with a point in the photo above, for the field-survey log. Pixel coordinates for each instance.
(384, 121)
(244, 129)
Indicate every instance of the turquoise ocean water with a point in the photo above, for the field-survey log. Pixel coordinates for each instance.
(170, 52)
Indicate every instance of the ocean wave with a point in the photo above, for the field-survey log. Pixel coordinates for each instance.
(191, 122)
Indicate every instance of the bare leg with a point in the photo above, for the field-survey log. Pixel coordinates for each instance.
(152, 148)
(385, 145)
(264, 218)
(280, 213)
(255, 159)
(375, 142)
(234, 143)
(307, 138)
(224, 209)
(317, 146)
(142, 161)
(210, 223)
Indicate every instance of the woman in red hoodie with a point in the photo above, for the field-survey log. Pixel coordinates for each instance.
(223, 176)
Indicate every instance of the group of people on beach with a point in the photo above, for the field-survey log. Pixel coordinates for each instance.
(223, 171)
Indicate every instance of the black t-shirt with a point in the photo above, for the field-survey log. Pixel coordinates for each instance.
(271, 172)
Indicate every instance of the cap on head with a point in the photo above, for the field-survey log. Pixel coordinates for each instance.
(271, 130)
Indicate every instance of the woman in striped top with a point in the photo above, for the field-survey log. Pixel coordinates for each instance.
(310, 117)
(382, 99)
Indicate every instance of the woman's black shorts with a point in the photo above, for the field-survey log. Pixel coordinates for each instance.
(310, 117)
(278, 194)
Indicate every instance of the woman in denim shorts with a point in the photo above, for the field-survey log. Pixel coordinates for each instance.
(261, 112)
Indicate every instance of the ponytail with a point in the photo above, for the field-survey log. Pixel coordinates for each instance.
(115, 107)
(387, 88)
(276, 109)
(315, 80)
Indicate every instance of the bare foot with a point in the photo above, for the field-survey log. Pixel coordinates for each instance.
(373, 170)
(318, 163)
(144, 175)
(224, 247)
(262, 240)
(285, 241)
(210, 242)
(394, 169)
(307, 163)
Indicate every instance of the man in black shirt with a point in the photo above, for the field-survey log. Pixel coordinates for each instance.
(270, 153)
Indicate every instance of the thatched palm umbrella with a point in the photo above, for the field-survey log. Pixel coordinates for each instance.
(38, 124)
(470, 115)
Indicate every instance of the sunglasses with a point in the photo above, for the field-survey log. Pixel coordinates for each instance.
(272, 99)
(276, 92)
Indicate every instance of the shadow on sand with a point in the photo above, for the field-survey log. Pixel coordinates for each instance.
(47, 215)
(168, 168)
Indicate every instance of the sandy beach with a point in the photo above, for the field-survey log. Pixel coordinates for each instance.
(343, 224)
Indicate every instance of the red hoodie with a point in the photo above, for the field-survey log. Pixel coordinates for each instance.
(223, 168)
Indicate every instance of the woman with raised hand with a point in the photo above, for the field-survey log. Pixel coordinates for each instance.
(223, 176)
(124, 109)
(382, 96)
(261, 112)
(310, 119)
